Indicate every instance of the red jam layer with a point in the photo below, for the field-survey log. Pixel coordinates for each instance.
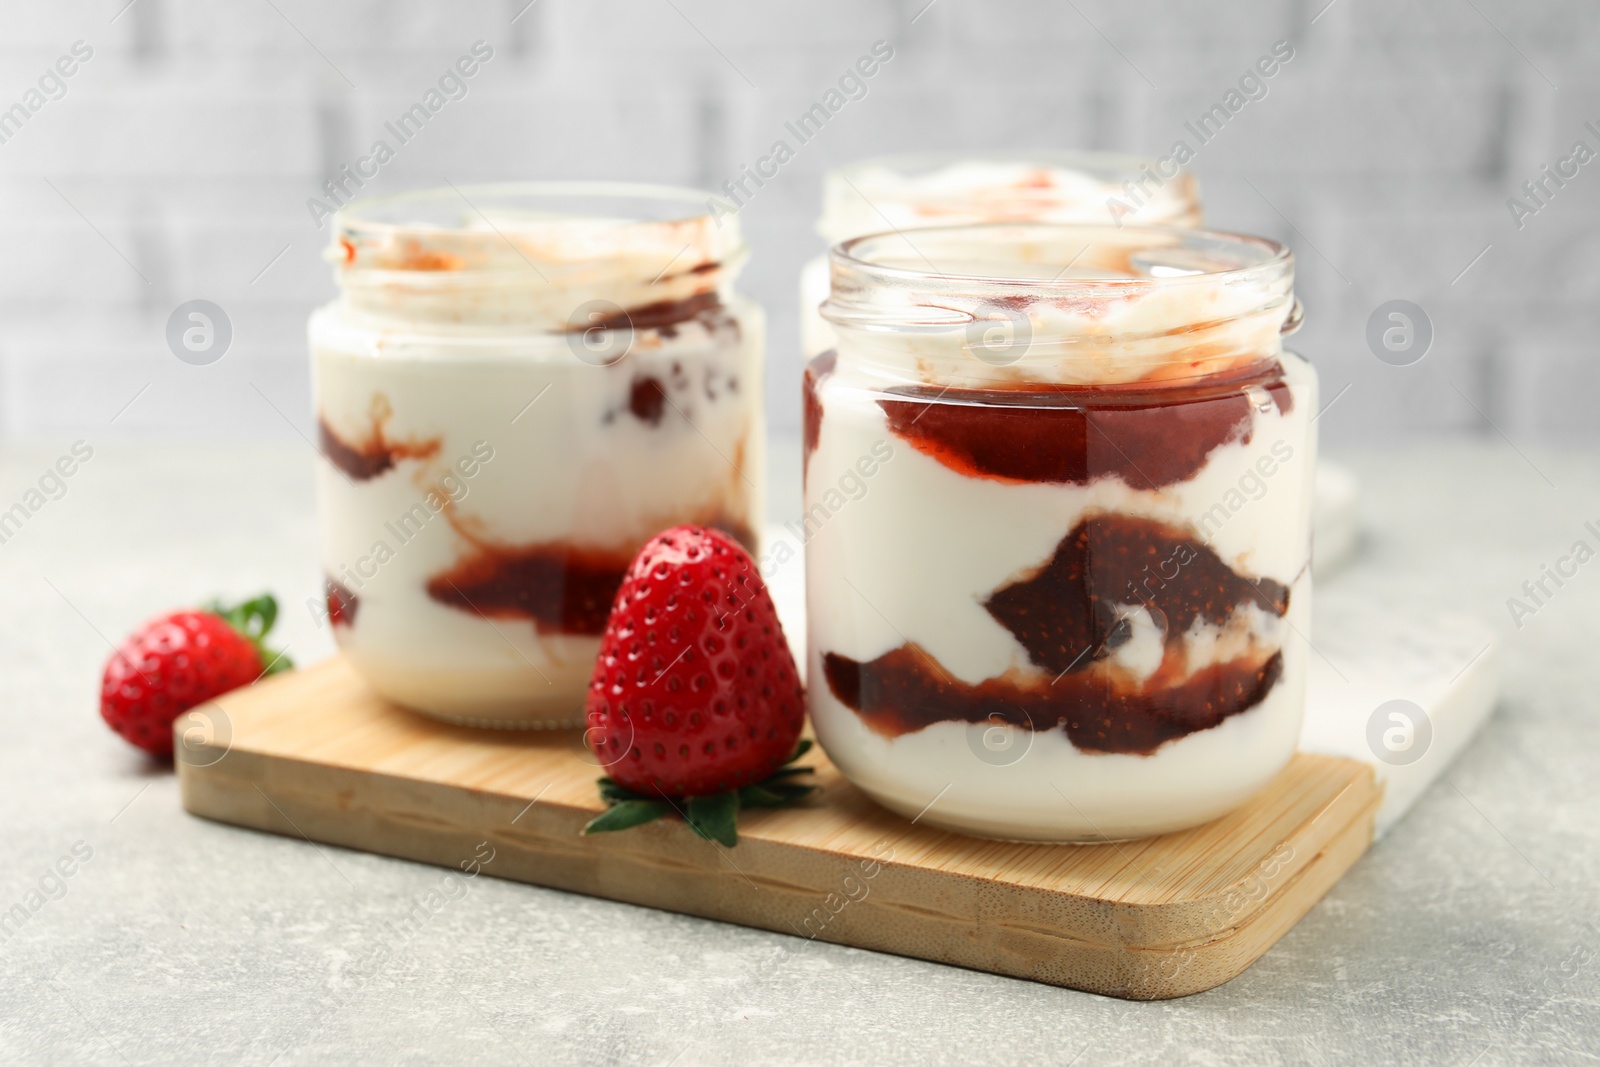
(342, 603)
(903, 691)
(816, 370)
(662, 315)
(372, 457)
(647, 398)
(651, 397)
(1068, 615)
(559, 587)
(1064, 614)
(1150, 437)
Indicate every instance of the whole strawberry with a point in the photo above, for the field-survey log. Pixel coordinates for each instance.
(695, 704)
(177, 661)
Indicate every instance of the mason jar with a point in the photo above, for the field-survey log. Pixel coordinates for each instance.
(517, 386)
(1058, 488)
(904, 192)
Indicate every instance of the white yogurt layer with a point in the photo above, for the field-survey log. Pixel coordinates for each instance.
(571, 463)
(915, 558)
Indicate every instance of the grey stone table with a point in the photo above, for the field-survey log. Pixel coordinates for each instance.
(1468, 935)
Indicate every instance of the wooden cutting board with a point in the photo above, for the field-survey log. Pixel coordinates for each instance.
(315, 754)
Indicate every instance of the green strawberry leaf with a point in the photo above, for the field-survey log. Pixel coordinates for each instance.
(755, 796)
(253, 619)
(715, 817)
(626, 814)
(276, 662)
(260, 614)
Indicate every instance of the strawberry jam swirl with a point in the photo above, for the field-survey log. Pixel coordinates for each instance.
(373, 455)
(559, 587)
(1069, 618)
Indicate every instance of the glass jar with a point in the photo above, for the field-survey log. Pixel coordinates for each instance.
(1058, 485)
(904, 192)
(516, 388)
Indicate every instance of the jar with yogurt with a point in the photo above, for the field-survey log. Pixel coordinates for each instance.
(517, 386)
(905, 192)
(1069, 601)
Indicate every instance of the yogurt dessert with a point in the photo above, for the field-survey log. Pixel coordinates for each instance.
(516, 388)
(908, 192)
(1069, 602)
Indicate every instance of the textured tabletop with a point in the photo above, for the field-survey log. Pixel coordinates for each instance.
(1468, 932)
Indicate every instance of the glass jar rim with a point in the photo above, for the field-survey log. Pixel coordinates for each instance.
(485, 218)
(1059, 302)
(529, 256)
(1271, 257)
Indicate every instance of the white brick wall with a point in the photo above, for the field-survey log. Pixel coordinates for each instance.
(192, 138)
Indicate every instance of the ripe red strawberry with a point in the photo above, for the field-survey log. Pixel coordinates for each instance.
(177, 661)
(695, 695)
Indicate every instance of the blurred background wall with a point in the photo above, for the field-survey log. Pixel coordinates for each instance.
(177, 160)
